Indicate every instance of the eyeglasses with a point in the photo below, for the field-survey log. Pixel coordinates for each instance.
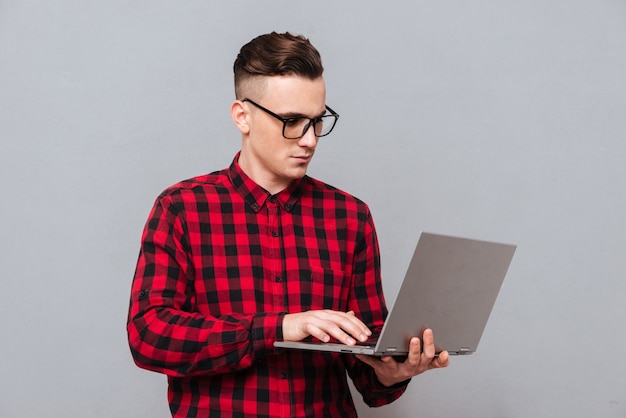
(297, 127)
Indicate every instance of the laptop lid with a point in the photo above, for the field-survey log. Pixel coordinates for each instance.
(450, 286)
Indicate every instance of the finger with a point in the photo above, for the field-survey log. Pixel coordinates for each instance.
(442, 360)
(336, 325)
(343, 326)
(350, 324)
(414, 356)
(329, 324)
(362, 328)
(387, 359)
(317, 332)
(428, 344)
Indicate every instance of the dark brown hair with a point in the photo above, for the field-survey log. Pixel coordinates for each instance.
(277, 54)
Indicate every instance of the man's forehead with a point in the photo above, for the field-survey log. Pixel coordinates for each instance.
(295, 94)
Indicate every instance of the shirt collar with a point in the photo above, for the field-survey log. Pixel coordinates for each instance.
(256, 196)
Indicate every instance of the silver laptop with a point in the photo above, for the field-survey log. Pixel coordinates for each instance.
(450, 287)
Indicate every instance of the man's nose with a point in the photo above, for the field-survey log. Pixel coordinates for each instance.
(308, 139)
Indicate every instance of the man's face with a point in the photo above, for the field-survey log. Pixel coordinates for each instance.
(266, 156)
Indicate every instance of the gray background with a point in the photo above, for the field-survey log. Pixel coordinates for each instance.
(501, 120)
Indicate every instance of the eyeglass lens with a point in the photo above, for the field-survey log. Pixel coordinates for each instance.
(297, 127)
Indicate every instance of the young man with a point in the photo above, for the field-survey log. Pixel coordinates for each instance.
(235, 260)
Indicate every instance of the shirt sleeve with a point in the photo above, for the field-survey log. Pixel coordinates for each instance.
(368, 302)
(165, 332)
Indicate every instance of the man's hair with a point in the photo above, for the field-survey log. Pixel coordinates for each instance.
(276, 54)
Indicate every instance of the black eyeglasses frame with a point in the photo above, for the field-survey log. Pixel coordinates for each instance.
(312, 121)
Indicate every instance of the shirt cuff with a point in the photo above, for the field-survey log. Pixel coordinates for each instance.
(267, 328)
(393, 391)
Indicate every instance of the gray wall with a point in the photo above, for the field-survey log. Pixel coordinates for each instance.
(499, 120)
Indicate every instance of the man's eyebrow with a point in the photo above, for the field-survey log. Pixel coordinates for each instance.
(295, 115)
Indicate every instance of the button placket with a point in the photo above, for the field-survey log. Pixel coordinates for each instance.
(275, 247)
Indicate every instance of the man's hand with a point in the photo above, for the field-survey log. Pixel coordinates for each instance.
(390, 372)
(343, 326)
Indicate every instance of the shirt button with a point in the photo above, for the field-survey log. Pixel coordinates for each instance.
(273, 199)
(287, 206)
(274, 233)
(284, 376)
(279, 279)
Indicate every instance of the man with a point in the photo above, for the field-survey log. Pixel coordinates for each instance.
(235, 260)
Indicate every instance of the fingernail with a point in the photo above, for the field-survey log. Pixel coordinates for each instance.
(350, 341)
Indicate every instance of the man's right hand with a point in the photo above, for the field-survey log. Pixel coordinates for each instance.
(324, 324)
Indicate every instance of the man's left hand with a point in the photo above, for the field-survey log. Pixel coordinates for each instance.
(419, 360)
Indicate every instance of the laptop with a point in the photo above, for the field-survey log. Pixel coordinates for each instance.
(450, 287)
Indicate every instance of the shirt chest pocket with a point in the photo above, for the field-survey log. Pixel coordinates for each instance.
(323, 289)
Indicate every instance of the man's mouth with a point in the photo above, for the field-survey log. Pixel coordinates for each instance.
(303, 157)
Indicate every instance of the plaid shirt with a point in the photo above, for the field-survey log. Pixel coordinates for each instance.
(221, 263)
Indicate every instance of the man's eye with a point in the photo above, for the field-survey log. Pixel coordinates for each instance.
(293, 122)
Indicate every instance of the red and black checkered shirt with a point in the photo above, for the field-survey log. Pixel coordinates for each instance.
(221, 263)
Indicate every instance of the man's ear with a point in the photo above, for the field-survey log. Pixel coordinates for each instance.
(240, 116)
